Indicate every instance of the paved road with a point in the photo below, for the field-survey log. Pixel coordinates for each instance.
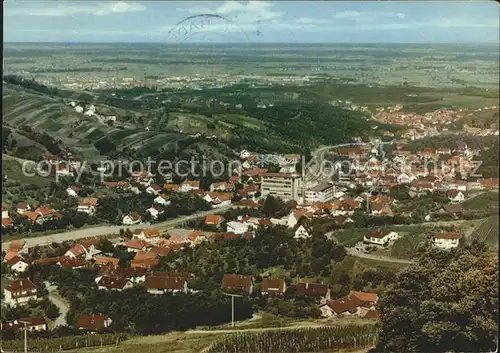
(354, 252)
(106, 230)
(63, 307)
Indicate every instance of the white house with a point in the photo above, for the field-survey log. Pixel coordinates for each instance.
(455, 196)
(17, 264)
(82, 251)
(88, 206)
(302, 233)
(154, 212)
(19, 292)
(5, 212)
(238, 227)
(162, 199)
(153, 190)
(404, 178)
(79, 109)
(131, 219)
(189, 185)
(244, 154)
(150, 235)
(446, 240)
(23, 207)
(380, 237)
(73, 191)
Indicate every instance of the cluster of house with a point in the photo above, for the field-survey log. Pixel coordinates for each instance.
(432, 123)
(360, 304)
(384, 236)
(21, 291)
(39, 215)
(90, 110)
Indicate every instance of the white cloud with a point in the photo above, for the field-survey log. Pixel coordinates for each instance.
(62, 9)
(242, 12)
(307, 20)
(367, 16)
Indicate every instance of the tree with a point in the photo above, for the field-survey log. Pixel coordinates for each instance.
(272, 205)
(446, 302)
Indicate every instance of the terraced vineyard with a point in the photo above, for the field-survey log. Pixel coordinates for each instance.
(76, 130)
(488, 231)
(296, 340)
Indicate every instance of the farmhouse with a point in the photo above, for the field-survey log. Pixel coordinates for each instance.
(380, 237)
(92, 322)
(446, 240)
(34, 323)
(232, 282)
(88, 206)
(314, 289)
(361, 304)
(273, 286)
(160, 284)
(113, 283)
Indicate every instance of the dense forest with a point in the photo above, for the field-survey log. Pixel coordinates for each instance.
(446, 302)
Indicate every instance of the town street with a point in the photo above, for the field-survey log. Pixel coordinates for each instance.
(107, 230)
(63, 307)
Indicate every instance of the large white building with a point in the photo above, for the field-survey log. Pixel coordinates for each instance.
(286, 186)
(320, 193)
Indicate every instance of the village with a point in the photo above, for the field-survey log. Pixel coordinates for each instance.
(253, 192)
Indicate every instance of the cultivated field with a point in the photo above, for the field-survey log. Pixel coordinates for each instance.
(488, 231)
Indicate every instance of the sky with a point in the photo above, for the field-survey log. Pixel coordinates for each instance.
(252, 21)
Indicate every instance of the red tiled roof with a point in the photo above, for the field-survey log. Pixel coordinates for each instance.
(312, 289)
(379, 233)
(365, 296)
(273, 285)
(137, 244)
(21, 285)
(237, 282)
(68, 262)
(213, 219)
(105, 260)
(447, 236)
(46, 261)
(165, 282)
(112, 282)
(90, 322)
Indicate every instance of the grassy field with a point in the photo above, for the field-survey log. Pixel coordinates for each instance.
(412, 236)
(13, 170)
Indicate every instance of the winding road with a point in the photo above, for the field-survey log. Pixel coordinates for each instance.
(108, 230)
(63, 307)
